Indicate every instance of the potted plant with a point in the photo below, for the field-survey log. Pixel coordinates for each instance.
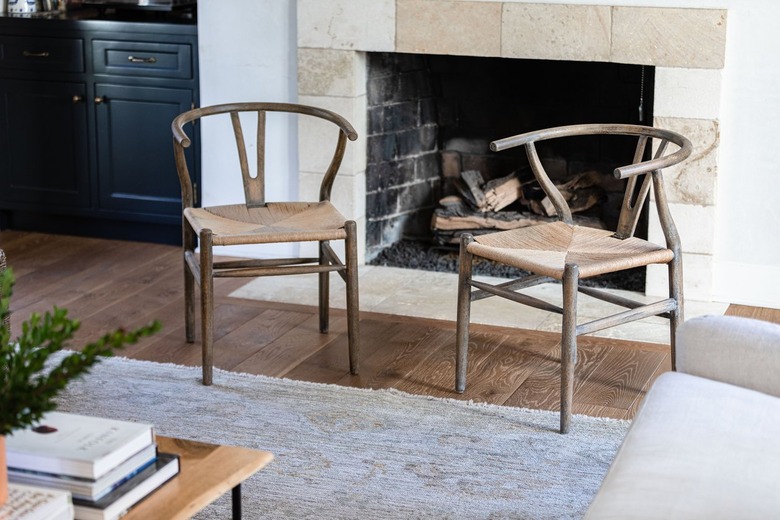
(29, 380)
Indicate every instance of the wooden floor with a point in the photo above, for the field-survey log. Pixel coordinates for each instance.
(107, 284)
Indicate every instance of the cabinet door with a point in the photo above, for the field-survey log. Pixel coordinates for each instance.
(43, 144)
(136, 168)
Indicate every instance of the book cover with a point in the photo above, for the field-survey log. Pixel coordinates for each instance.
(117, 502)
(36, 503)
(85, 488)
(76, 445)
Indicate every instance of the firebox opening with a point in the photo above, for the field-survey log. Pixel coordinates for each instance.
(430, 175)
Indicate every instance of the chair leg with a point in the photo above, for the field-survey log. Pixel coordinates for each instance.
(353, 300)
(677, 316)
(188, 241)
(207, 304)
(568, 342)
(464, 313)
(324, 292)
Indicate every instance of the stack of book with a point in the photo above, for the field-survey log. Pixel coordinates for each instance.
(107, 465)
(36, 503)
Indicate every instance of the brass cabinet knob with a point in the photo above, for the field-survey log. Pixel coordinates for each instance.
(100, 99)
(77, 98)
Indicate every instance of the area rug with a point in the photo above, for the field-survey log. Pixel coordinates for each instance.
(344, 453)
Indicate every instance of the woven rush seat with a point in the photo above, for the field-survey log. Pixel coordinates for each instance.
(547, 248)
(275, 222)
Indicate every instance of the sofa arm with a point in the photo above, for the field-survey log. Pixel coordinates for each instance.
(739, 351)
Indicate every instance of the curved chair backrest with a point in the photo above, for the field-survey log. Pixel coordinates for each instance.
(633, 200)
(254, 187)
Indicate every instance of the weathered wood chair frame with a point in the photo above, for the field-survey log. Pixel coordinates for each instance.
(640, 175)
(202, 268)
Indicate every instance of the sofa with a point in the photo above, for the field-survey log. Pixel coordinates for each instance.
(705, 443)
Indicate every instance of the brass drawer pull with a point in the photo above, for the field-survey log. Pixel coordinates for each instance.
(31, 54)
(133, 59)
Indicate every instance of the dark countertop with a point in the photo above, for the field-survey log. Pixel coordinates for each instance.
(102, 18)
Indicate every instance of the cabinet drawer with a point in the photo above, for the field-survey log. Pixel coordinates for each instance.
(159, 60)
(50, 54)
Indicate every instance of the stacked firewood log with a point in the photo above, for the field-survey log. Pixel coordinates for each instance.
(513, 201)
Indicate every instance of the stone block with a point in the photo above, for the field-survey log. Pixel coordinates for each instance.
(348, 193)
(556, 32)
(697, 278)
(448, 27)
(687, 93)
(317, 139)
(311, 249)
(327, 72)
(696, 225)
(347, 24)
(693, 181)
(669, 37)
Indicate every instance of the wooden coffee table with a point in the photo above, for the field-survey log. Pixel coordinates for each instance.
(207, 471)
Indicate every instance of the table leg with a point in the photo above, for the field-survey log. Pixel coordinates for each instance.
(236, 492)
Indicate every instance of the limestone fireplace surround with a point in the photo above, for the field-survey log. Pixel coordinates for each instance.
(687, 47)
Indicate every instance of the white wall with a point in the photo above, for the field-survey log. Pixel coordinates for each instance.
(247, 52)
(747, 261)
(259, 35)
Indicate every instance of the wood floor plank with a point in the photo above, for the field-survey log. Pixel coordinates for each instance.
(619, 378)
(508, 367)
(135, 302)
(664, 366)
(436, 375)
(36, 250)
(249, 338)
(758, 313)
(286, 352)
(331, 364)
(600, 411)
(108, 283)
(403, 350)
(542, 389)
(88, 279)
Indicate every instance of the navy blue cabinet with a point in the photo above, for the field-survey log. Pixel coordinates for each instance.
(85, 114)
(44, 153)
(136, 169)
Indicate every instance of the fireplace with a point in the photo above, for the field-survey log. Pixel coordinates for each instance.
(686, 47)
(431, 119)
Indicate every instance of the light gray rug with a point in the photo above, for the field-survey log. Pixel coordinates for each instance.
(345, 453)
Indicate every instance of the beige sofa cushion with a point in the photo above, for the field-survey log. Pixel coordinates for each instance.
(698, 449)
(741, 351)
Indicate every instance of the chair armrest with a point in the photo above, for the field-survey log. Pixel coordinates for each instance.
(739, 351)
